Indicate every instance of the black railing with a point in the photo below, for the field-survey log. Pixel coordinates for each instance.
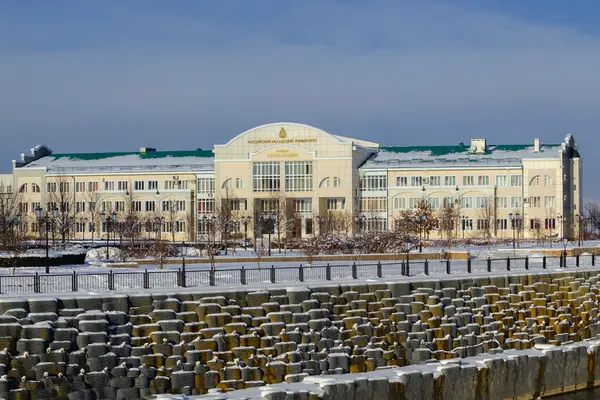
(187, 277)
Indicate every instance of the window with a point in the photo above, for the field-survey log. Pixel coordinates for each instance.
(150, 205)
(80, 206)
(534, 201)
(51, 187)
(449, 181)
(119, 206)
(448, 202)
(550, 223)
(109, 185)
(23, 208)
(206, 206)
(548, 181)
(152, 185)
(515, 202)
(501, 180)
(413, 203)
(401, 181)
(324, 183)
(303, 205)
(308, 226)
(337, 182)
(65, 207)
(416, 181)
(502, 224)
(535, 181)
(549, 201)
(375, 224)
(336, 203)
(482, 202)
(268, 205)
(167, 205)
(373, 182)
(239, 205)
(468, 180)
(79, 187)
(206, 185)
(483, 224)
(266, 176)
(466, 202)
(138, 185)
(373, 204)
(122, 185)
(175, 184)
(64, 187)
(238, 183)
(399, 203)
(515, 180)
(226, 184)
(92, 186)
(467, 224)
(501, 202)
(136, 206)
(434, 202)
(483, 180)
(180, 226)
(534, 224)
(179, 205)
(435, 181)
(35, 205)
(23, 188)
(299, 176)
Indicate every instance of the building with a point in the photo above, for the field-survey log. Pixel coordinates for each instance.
(316, 180)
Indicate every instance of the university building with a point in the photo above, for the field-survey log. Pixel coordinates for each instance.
(324, 181)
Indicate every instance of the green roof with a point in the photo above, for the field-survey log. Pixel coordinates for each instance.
(142, 155)
(438, 151)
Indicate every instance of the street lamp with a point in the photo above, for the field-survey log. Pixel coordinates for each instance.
(245, 221)
(580, 234)
(560, 221)
(422, 231)
(565, 242)
(110, 218)
(464, 225)
(511, 217)
(40, 215)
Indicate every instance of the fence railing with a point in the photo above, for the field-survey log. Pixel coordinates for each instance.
(186, 277)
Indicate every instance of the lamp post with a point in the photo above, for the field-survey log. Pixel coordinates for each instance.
(565, 242)
(559, 217)
(580, 226)
(245, 220)
(422, 231)
(40, 215)
(84, 222)
(511, 217)
(463, 218)
(110, 218)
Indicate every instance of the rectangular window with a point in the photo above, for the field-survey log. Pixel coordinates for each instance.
(483, 180)
(501, 180)
(239, 205)
(92, 186)
(416, 181)
(206, 206)
(179, 205)
(449, 181)
(548, 180)
(266, 176)
(176, 184)
(549, 201)
(122, 185)
(373, 204)
(206, 185)
(467, 224)
(399, 203)
(501, 202)
(136, 206)
(401, 181)
(119, 206)
(373, 182)
(51, 187)
(138, 185)
(435, 181)
(482, 224)
(23, 208)
(152, 185)
(35, 205)
(516, 202)
(448, 202)
(298, 176)
(534, 201)
(80, 206)
(482, 202)
(106, 206)
(466, 202)
(502, 224)
(468, 180)
(515, 180)
(338, 203)
(434, 202)
(180, 226)
(150, 205)
(413, 203)
(80, 187)
(64, 187)
(109, 185)
(303, 205)
(308, 226)
(166, 205)
(550, 223)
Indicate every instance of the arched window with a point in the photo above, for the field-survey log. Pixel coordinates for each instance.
(226, 184)
(535, 181)
(324, 183)
(238, 183)
(548, 181)
(35, 188)
(23, 188)
(337, 182)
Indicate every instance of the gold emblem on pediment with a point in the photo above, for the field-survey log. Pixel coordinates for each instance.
(282, 133)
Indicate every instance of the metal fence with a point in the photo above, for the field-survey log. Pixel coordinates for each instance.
(186, 277)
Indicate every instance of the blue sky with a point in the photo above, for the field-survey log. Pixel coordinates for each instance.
(117, 75)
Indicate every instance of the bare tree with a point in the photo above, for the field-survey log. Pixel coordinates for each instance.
(225, 218)
(129, 226)
(341, 222)
(61, 197)
(591, 211)
(92, 198)
(13, 234)
(447, 218)
(486, 216)
(537, 231)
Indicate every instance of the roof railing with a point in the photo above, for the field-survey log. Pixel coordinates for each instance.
(172, 167)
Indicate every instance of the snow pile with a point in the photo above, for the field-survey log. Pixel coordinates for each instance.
(100, 254)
